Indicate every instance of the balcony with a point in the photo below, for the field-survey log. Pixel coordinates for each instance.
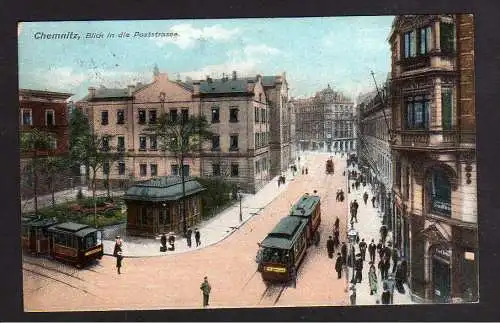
(413, 63)
(431, 139)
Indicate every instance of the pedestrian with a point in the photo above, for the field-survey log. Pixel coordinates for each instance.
(189, 233)
(205, 289)
(399, 277)
(354, 214)
(330, 247)
(163, 240)
(118, 246)
(338, 265)
(337, 197)
(385, 264)
(373, 201)
(372, 279)
(386, 295)
(302, 170)
(362, 248)
(357, 185)
(336, 241)
(343, 174)
(279, 181)
(197, 237)
(119, 258)
(342, 196)
(337, 222)
(371, 250)
(383, 233)
(380, 245)
(365, 197)
(395, 259)
(358, 266)
(343, 251)
(171, 241)
(307, 170)
(352, 297)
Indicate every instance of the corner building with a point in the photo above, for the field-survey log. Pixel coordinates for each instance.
(434, 154)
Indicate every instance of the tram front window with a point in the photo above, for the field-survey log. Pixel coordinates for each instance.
(90, 240)
(275, 255)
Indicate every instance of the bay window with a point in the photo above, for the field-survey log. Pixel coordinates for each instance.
(417, 112)
(440, 192)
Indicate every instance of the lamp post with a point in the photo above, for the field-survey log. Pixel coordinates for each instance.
(351, 235)
(240, 197)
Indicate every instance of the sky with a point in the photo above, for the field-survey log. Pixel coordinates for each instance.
(314, 52)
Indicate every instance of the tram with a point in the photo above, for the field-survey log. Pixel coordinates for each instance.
(283, 250)
(75, 243)
(34, 235)
(308, 207)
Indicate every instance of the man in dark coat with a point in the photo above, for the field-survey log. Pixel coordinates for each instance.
(337, 223)
(365, 197)
(119, 258)
(373, 201)
(205, 289)
(384, 266)
(354, 212)
(189, 233)
(336, 240)
(386, 295)
(330, 247)
(362, 248)
(338, 265)
(395, 258)
(371, 250)
(358, 266)
(343, 251)
(383, 233)
(197, 237)
(380, 246)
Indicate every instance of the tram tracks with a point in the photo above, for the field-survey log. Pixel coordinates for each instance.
(273, 293)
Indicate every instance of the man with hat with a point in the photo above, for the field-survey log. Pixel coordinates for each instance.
(330, 247)
(338, 265)
(358, 266)
(205, 289)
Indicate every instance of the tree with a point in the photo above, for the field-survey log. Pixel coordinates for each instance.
(181, 137)
(52, 166)
(93, 150)
(36, 143)
(79, 128)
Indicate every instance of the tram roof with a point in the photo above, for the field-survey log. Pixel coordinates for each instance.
(305, 205)
(165, 188)
(69, 227)
(283, 234)
(84, 232)
(44, 222)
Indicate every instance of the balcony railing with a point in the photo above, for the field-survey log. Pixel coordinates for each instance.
(413, 63)
(444, 139)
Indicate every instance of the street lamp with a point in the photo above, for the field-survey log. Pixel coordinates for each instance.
(240, 197)
(351, 235)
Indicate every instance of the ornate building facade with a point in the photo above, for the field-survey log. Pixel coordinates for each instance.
(433, 150)
(374, 151)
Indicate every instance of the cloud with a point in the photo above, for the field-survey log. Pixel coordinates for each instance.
(189, 35)
(57, 79)
(118, 79)
(245, 62)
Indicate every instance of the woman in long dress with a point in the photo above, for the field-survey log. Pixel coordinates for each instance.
(372, 278)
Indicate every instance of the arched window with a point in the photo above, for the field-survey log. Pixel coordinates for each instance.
(440, 192)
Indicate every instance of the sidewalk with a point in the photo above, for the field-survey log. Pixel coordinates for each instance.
(368, 226)
(212, 231)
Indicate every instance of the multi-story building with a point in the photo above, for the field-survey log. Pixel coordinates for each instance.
(236, 109)
(326, 122)
(434, 154)
(374, 152)
(47, 112)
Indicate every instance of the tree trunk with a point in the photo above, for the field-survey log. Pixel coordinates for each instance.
(107, 186)
(35, 183)
(93, 197)
(184, 224)
(53, 191)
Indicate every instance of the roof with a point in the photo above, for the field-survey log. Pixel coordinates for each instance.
(106, 93)
(69, 227)
(224, 86)
(45, 94)
(307, 203)
(282, 236)
(41, 223)
(84, 232)
(165, 188)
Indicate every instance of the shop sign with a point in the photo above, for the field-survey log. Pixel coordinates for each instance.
(443, 253)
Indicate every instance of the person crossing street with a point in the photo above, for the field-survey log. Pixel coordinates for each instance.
(371, 250)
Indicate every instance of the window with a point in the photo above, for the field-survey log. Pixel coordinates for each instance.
(260, 97)
(173, 115)
(447, 37)
(174, 170)
(417, 113)
(27, 120)
(153, 143)
(234, 170)
(121, 168)
(256, 114)
(215, 115)
(121, 143)
(105, 143)
(104, 118)
(142, 116)
(215, 143)
(233, 115)
(410, 44)
(233, 142)
(263, 116)
(215, 169)
(186, 170)
(50, 118)
(105, 168)
(440, 192)
(143, 170)
(257, 169)
(154, 169)
(120, 117)
(446, 107)
(91, 240)
(142, 143)
(152, 116)
(425, 40)
(185, 115)
(53, 143)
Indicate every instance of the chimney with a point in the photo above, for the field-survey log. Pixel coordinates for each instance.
(234, 75)
(91, 92)
(196, 87)
(130, 90)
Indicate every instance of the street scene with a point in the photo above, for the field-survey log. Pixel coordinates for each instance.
(308, 178)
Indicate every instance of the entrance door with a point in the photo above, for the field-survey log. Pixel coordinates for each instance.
(441, 281)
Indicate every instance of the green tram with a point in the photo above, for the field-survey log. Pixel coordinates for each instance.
(283, 249)
(309, 207)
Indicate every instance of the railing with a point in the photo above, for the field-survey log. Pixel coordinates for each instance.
(433, 138)
(413, 63)
(414, 139)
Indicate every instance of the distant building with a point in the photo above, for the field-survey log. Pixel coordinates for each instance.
(434, 154)
(48, 112)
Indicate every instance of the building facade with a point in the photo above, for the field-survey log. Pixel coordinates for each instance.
(326, 122)
(374, 151)
(48, 112)
(236, 109)
(433, 149)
